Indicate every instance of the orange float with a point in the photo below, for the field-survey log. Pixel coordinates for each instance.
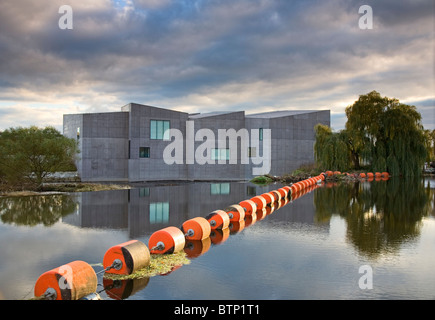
(288, 189)
(362, 175)
(196, 228)
(218, 219)
(71, 281)
(268, 197)
(235, 212)
(126, 258)
(167, 240)
(259, 201)
(283, 192)
(296, 187)
(249, 206)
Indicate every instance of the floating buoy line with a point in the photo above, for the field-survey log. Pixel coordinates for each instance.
(170, 248)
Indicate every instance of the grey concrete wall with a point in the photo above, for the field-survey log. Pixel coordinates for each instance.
(216, 171)
(103, 145)
(110, 142)
(153, 168)
(72, 122)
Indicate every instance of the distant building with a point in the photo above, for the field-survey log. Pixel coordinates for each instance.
(134, 145)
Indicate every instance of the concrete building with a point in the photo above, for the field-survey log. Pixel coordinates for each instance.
(135, 145)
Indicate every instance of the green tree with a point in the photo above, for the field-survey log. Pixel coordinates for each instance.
(387, 134)
(27, 155)
(331, 149)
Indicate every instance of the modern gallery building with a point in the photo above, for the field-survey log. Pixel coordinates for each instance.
(145, 143)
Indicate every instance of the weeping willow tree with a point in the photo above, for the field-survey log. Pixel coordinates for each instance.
(387, 134)
(330, 149)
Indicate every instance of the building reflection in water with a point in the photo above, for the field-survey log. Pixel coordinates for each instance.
(146, 209)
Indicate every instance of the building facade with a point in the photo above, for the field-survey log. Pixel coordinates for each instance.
(146, 143)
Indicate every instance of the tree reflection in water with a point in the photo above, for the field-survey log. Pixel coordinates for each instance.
(380, 215)
(35, 210)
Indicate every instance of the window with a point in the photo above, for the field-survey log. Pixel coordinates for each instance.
(159, 130)
(252, 152)
(144, 152)
(220, 188)
(260, 134)
(220, 154)
(144, 192)
(159, 212)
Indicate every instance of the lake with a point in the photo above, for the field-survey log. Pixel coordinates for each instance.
(367, 240)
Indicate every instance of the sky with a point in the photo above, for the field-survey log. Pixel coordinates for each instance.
(212, 55)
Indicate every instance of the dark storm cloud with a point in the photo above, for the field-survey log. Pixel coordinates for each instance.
(202, 55)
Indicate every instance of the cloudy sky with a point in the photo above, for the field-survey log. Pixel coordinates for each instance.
(208, 55)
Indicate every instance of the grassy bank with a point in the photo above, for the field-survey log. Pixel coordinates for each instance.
(61, 187)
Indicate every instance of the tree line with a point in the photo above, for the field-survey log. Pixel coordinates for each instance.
(28, 155)
(381, 134)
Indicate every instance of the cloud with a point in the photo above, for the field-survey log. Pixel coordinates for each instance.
(206, 55)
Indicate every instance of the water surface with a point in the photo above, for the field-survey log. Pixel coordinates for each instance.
(310, 248)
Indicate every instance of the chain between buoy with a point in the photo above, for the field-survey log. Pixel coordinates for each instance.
(116, 264)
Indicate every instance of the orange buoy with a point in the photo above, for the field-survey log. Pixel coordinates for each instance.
(288, 189)
(269, 209)
(268, 197)
(235, 212)
(126, 258)
(259, 201)
(71, 281)
(196, 228)
(329, 173)
(337, 172)
(249, 206)
(167, 240)
(362, 175)
(295, 188)
(283, 192)
(370, 175)
(385, 174)
(218, 219)
(378, 174)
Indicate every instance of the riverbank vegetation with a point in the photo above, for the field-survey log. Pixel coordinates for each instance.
(381, 135)
(29, 155)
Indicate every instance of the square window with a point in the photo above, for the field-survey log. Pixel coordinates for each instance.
(159, 129)
(144, 152)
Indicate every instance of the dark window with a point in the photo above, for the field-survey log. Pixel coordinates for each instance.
(144, 152)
